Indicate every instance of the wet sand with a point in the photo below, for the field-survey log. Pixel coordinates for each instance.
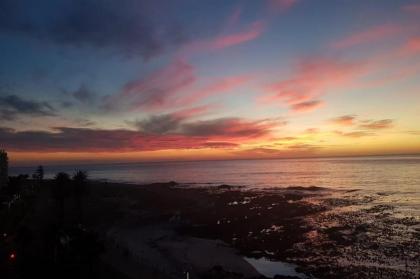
(169, 229)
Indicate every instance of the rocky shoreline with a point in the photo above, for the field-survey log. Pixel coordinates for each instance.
(169, 230)
(327, 234)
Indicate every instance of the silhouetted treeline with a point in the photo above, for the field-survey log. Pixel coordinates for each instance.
(40, 238)
(65, 188)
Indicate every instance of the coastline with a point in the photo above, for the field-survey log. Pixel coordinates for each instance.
(164, 230)
(299, 225)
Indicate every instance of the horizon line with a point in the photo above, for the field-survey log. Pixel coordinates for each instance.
(80, 163)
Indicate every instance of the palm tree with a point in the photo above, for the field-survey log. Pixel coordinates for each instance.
(39, 174)
(60, 190)
(80, 182)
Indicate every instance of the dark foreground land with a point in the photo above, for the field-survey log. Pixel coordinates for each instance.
(168, 230)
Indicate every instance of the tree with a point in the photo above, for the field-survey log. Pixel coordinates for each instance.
(39, 174)
(61, 189)
(80, 182)
(38, 177)
(4, 168)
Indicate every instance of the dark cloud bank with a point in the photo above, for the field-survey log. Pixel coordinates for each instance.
(13, 106)
(127, 26)
(218, 133)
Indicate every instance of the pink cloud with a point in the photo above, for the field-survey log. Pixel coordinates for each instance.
(411, 8)
(312, 79)
(392, 65)
(193, 112)
(369, 35)
(252, 32)
(281, 5)
(411, 47)
(154, 90)
(233, 18)
(307, 106)
(214, 88)
(175, 85)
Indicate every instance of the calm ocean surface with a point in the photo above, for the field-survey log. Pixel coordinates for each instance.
(398, 176)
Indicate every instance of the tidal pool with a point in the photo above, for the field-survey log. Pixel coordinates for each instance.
(271, 268)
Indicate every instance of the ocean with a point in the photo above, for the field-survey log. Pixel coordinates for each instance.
(370, 208)
(395, 177)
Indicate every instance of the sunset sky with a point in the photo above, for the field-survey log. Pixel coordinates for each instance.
(127, 80)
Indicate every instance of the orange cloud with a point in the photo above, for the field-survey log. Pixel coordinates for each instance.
(372, 34)
(414, 133)
(312, 131)
(298, 150)
(355, 134)
(304, 146)
(307, 106)
(345, 120)
(284, 139)
(378, 124)
(349, 120)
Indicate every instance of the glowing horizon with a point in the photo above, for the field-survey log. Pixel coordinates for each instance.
(203, 81)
